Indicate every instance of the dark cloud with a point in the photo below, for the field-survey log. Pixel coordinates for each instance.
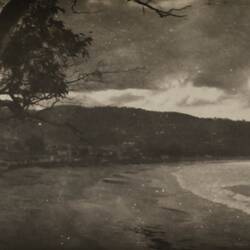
(221, 44)
(210, 46)
(124, 37)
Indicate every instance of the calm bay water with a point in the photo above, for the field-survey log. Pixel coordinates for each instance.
(167, 206)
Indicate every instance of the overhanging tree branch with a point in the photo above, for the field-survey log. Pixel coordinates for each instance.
(146, 4)
(99, 74)
(174, 12)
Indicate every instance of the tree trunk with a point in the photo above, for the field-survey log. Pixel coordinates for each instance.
(10, 15)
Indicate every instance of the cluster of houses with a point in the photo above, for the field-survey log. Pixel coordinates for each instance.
(127, 151)
(68, 153)
(12, 151)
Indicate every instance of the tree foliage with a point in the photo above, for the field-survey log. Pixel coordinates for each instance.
(36, 56)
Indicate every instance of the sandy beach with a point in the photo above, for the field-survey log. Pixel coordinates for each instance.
(175, 206)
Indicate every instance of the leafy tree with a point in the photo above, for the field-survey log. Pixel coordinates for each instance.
(36, 49)
(37, 53)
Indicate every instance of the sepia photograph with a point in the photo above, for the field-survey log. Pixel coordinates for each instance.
(124, 125)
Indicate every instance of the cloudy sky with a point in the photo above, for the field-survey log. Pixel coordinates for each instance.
(199, 64)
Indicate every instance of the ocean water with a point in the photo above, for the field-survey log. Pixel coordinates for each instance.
(226, 183)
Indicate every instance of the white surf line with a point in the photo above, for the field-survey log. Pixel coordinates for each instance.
(210, 181)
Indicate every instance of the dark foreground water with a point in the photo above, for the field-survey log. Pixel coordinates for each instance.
(185, 206)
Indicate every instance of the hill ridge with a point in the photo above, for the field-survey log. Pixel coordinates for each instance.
(121, 134)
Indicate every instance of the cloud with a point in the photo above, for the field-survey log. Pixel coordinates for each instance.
(125, 99)
(218, 44)
(189, 99)
(110, 97)
(211, 43)
(210, 47)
